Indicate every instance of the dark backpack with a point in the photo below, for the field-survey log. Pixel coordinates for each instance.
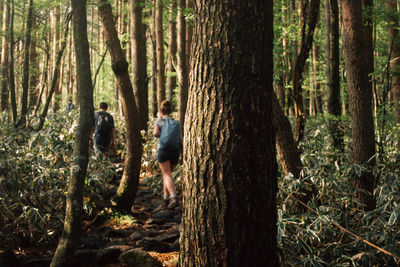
(104, 123)
(170, 135)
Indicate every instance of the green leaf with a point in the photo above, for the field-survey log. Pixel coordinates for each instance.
(392, 219)
(304, 245)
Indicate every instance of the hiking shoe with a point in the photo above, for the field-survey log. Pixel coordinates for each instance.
(163, 205)
(172, 203)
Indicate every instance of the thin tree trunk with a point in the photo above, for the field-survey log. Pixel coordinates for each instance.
(11, 65)
(64, 255)
(310, 13)
(130, 179)
(55, 76)
(183, 76)
(360, 100)
(34, 70)
(189, 35)
(153, 70)
(4, 57)
(160, 52)
(139, 62)
(229, 203)
(171, 80)
(26, 69)
(56, 47)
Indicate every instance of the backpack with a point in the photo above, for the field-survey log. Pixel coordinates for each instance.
(170, 135)
(104, 123)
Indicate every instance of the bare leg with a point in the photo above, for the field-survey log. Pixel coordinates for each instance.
(169, 186)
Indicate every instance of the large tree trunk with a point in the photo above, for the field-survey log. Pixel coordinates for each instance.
(171, 80)
(160, 52)
(130, 179)
(332, 72)
(64, 255)
(4, 57)
(55, 76)
(394, 51)
(25, 80)
(183, 77)
(360, 99)
(139, 63)
(230, 183)
(310, 12)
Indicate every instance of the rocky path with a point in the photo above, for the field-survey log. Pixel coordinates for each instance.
(151, 239)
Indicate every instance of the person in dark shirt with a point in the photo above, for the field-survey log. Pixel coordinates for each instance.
(103, 131)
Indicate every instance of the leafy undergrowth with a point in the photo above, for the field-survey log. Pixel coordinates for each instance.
(35, 167)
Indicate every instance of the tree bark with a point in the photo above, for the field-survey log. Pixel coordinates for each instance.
(56, 47)
(360, 99)
(230, 183)
(4, 57)
(189, 35)
(153, 70)
(183, 77)
(171, 80)
(160, 52)
(34, 70)
(130, 179)
(310, 13)
(26, 69)
(64, 255)
(11, 63)
(139, 62)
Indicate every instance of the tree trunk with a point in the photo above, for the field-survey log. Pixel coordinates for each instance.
(130, 179)
(139, 63)
(25, 80)
(171, 81)
(55, 76)
(34, 70)
(160, 52)
(4, 56)
(11, 64)
(394, 52)
(64, 255)
(229, 201)
(310, 12)
(183, 76)
(360, 99)
(153, 70)
(56, 46)
(189, 35)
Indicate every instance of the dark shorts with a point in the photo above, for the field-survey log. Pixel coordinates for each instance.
(164, 155)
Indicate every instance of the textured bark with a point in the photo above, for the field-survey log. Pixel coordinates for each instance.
(56, 47)
(55, 76)
(4, 56)
(153, 70)
(189, 35)
(160, 52)
(130, 179)
(34, 70)
(332, 72)
(13, 99)
(230, 184)
(310, 12)
(360, 99)
(171, 80)
(394, 51)
(317, 101)
(183, 75)
(26, 68)
(64, 255)
(139, 62)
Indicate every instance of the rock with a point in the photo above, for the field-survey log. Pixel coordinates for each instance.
(85, 257)
(168, 237)
(164, 216)
(7, 258)
(136, 236)
(175, 246)
(91, 241)
(151, 244)
(111, 254)
(137, 257)
(35, 262)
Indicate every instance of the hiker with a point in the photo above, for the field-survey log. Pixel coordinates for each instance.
(169, 132)
(70, 106)
(103, 131)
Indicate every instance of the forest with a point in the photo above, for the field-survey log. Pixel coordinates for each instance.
(290, 123)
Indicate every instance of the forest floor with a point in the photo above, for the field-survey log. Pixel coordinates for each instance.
(144, 237)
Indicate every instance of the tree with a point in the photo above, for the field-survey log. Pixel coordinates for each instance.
(153, 68)
(160, 52)
(360, 100)
(11, 63)
(229, 170)
(139, 62)
(130, 179)
(332, 71)
(171, 80)
(64, 254)
(4, 56)
(25, 80)
(56, 47)
(310, 13)
(394, 52)
(182, 67)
